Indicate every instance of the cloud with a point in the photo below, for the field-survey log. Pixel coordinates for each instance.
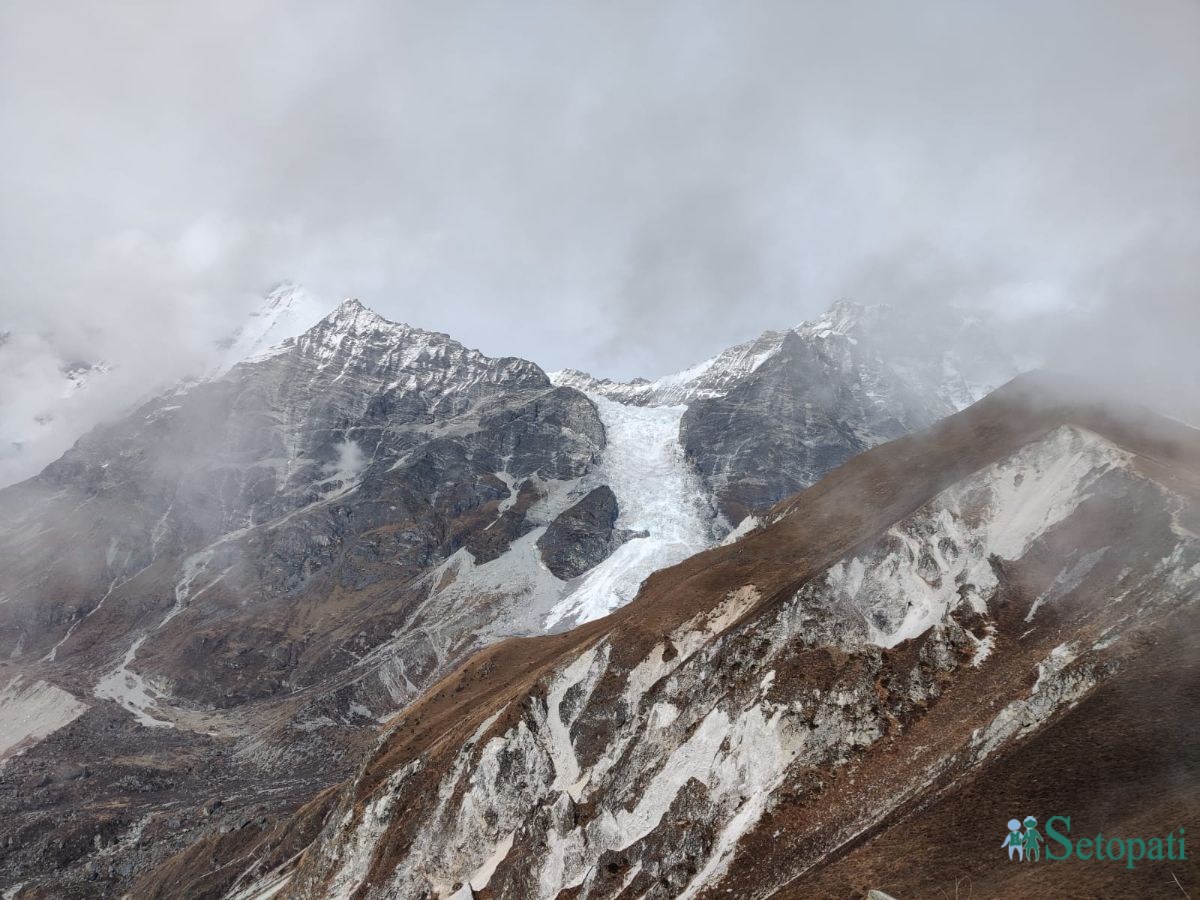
(620, 187)
(350, 460)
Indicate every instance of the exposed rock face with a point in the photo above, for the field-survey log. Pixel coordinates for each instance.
(805, 411)
(350, 461)
(583, 535)
(911, 623)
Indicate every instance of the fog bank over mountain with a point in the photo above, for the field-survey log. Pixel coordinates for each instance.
(608, 187)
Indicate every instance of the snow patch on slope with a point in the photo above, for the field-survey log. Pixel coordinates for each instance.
(937, 558)
(365, 836)
(1057, 685)
(126, 686)
(289, 311)
(562, 751)
(30, 710)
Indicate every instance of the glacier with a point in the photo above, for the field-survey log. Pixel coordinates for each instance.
(658, 493)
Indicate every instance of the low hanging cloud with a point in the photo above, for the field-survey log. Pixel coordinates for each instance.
(619, 187)
(350, 461)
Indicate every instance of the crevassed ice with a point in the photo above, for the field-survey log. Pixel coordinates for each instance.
(657, 492)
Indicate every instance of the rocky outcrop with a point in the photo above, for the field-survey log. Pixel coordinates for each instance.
(805, 411)
(583, 535)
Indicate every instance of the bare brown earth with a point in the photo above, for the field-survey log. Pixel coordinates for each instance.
(1123, 760)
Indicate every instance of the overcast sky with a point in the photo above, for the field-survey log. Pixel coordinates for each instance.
(624, 187)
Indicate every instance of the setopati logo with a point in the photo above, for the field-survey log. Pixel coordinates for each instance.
(1025, 843)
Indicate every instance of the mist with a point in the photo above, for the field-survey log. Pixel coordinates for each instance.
(616, 187)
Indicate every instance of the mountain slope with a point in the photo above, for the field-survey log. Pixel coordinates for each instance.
(764, 708)
(220, 595)
(294, 473)
(49, 396)
(241, 575)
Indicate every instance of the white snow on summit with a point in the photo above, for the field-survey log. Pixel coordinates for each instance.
(289, 311)
(711, 378)
(47, 401)
(953, 357)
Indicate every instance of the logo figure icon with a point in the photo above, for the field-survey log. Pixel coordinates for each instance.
(1033, 838)
(1024, 844)
(1014, 840)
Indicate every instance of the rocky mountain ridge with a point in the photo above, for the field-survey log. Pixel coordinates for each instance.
(970, 361)
(769, 712)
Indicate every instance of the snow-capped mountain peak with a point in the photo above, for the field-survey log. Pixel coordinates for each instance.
(965, 362)
(355, 341)
(353, 314)
(845, 317)
(287, 311)
(715, 376)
